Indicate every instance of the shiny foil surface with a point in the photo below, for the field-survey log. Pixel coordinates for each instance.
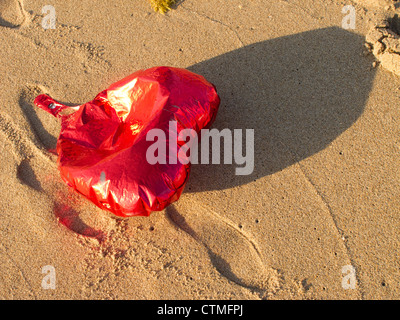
(102, 144)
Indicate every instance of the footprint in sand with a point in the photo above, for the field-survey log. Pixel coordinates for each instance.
(25, 152)
(12, 14)
(233, 253)
(36, 168)
(23, 147)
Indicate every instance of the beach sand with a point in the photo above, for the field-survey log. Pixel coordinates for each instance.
(324, 196)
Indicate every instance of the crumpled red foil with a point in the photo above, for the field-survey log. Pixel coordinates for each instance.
(102, 144)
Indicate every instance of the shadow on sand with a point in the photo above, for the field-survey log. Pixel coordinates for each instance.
(298, 93)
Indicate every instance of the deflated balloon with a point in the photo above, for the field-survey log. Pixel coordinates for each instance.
(103, 144)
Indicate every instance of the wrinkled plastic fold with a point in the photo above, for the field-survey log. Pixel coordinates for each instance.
(102, 144)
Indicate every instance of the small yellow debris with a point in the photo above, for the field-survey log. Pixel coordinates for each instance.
(162, 6)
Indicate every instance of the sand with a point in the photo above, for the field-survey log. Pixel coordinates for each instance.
(324, 196)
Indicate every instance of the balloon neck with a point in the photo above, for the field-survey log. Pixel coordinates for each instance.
(52, 106)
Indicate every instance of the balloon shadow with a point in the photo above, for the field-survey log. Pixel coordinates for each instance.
(298, 93)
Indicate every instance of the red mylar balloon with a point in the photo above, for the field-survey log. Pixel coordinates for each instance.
(102, 144)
